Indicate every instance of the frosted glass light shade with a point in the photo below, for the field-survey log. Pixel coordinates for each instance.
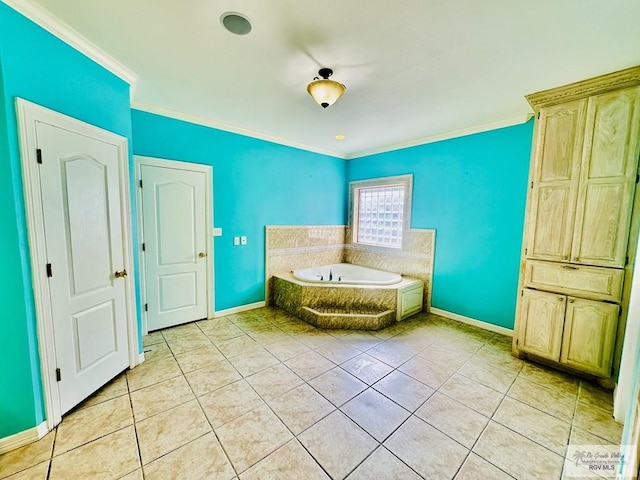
(325, 92)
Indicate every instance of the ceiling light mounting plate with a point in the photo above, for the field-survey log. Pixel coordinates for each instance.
(325, 72)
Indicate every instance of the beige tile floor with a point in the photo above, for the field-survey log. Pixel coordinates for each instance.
(262, 395)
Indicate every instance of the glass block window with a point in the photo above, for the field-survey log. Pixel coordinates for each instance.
(380, 215)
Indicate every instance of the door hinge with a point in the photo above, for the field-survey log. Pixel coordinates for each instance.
(531, 184)
(140, 183)
(626, 261)
(526, 250)
(58, 375)
(49, 270)
(638, 178)
(517, 341)
(39, 155)
(144, 247)
(146, 307)
(538, 114)
(521, 293)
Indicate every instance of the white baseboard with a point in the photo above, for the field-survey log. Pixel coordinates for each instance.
(141, 358)
(241, 308)
(472, 321)
(23, 438)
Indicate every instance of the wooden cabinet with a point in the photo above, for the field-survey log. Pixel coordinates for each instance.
(581, 224)
(589, 335)
(573, 331)
(607, 179)
(555, 184)
(585, 173)
(542, 322)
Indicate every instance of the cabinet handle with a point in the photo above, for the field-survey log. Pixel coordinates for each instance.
(571, 300)
(569, 267)
(560, 299)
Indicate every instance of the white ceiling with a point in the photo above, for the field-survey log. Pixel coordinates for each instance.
(414, 69)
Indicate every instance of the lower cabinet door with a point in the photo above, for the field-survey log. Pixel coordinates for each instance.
(589, 335)
(541, 321)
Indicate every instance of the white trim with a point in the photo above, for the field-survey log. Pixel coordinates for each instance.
(509, 122)
(241, 308)
(139, 161)
(226, 127)
(624, 395)
(23, 438)
(64, 32)
(141, 358)
(472, 321)
(28, 114)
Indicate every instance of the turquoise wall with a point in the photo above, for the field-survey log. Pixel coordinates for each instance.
(472, 190)
(255, 183)
(37, 67)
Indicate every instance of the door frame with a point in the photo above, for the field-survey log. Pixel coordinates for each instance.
(28, 114)
(139, 161)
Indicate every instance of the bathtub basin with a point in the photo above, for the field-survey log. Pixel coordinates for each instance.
(346, 273)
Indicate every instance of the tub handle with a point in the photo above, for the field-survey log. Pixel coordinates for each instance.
(321, 277)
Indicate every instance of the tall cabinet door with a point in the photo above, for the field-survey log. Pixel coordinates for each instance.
(589, 335)
(556, 177)
(608, 175)
(541, 322)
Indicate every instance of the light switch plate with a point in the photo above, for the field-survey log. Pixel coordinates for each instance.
(243, 240)
(217, 231)
(236, 240)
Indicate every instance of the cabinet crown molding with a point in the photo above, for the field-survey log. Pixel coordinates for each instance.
(629, 77)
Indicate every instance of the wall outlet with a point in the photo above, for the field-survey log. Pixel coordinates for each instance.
(236, 240)
(243, 240)
(217, 231)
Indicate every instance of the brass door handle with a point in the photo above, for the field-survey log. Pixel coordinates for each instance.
(121, 273)
(202, 254)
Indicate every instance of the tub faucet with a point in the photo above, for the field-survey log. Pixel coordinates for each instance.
(340, 278)
(330, 275)
(321, 277)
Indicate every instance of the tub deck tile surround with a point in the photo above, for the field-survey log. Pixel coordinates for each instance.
(341, 306)
(335, 386)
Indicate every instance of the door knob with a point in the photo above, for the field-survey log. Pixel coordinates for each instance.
(202, 254)
(121, 273)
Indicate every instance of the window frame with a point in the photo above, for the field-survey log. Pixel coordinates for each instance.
(406, 181)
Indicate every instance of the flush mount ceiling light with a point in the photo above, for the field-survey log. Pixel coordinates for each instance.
(236, 23)
(324, 91)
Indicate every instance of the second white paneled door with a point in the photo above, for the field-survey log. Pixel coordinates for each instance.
(176, 227)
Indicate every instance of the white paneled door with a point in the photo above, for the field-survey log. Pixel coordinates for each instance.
(83, 228)
(175, 227)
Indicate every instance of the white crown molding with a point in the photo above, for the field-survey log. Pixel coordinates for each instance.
(206, 122)
(509, 122)
(56, 27)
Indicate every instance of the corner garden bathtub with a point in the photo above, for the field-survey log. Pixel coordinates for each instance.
(348, 296)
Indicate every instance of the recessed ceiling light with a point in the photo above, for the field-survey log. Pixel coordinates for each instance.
(340, 137)
(236, 23)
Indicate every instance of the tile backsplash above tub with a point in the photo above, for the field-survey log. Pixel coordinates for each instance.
(292, 247)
